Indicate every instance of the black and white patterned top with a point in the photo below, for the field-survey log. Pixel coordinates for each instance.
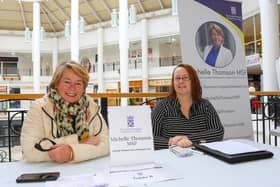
(168, 121)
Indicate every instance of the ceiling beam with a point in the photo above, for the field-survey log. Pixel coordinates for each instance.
(105, 4)
(61, 10)
(161, 4)
(93, 11)
(52, 15)
(22, 14)
(141, 6)
(47, 17)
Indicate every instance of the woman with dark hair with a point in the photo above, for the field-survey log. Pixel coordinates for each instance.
(184, 117)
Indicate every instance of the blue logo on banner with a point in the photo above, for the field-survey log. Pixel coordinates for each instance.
(130, 121)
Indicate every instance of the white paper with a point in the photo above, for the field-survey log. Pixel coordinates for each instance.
(131, 138)
(88, 180)
(231, 147)
(144, 173)
(132, 148)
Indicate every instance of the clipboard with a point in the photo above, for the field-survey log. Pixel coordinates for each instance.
(235, 158)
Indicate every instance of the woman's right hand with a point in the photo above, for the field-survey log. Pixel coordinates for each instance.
(94, 140)
(182, 141)
(174, 140)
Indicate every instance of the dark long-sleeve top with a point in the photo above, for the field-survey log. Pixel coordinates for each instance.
(168, 121)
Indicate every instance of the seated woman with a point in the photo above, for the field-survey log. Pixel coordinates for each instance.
(184, 117)
(65, 125)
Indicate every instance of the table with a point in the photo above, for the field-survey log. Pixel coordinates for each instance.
(198, 170)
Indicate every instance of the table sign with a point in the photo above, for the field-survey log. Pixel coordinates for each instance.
(131, 138)
(132, 148)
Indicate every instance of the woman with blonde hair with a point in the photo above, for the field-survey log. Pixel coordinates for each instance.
(65, 125)
(217, 55)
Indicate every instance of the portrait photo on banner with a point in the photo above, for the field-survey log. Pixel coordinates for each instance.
(215, 44)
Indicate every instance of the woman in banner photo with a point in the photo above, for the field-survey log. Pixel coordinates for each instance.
(184, 117)
(217, 55)
(65, 125)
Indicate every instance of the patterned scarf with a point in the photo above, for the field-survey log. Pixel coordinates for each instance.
(70, 118)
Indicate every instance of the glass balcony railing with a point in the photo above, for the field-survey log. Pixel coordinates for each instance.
(133, 63)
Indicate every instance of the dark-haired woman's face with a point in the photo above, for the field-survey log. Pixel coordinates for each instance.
(70, 86)
(182, 82)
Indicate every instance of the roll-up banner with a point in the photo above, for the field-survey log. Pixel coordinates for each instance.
(213, 43)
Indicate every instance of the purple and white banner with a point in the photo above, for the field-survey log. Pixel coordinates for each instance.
(213, 43)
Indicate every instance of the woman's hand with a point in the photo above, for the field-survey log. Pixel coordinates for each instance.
(94, 140)
(182, 141)
(61, 153)
(174, 140)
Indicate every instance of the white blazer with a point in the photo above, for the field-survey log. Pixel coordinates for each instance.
(224, 57)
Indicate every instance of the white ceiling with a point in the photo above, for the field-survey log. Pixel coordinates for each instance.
(18, 14)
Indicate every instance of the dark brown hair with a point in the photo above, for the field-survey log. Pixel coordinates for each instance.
(195, 83)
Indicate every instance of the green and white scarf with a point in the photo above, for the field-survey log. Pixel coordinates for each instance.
(70, 118)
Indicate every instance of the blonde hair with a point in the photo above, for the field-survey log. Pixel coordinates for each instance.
(217, 28)
(77, 68)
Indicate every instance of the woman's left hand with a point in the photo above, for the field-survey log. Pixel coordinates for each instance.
(61, 153)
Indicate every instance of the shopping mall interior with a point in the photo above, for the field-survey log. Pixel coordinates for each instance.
(37, 35)
(96, 21)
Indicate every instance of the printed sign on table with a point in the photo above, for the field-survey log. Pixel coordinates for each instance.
(131, 138)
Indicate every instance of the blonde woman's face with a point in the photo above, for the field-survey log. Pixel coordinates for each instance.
(217, 39)
(70, 87)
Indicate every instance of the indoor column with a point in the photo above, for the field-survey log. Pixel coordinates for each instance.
(54, 53)
(144, 45)
(36, 47)
(100, 59)
(123, 45)
(270, 42)
(75, 30)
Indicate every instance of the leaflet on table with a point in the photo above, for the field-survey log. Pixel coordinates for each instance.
(132, 148)
(131, 138)
(87, 180)
(232, 147)
(144, 173)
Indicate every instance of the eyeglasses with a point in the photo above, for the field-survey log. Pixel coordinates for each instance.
(184, 78)
(48, 142)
